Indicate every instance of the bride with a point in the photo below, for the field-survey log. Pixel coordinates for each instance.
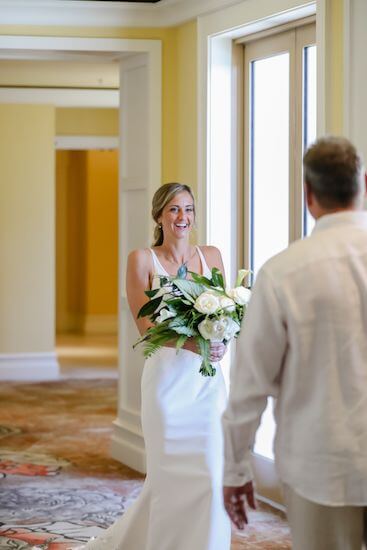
(180, 506)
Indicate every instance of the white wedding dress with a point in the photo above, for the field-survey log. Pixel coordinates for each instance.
(180, 506)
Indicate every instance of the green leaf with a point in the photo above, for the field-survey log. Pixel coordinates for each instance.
(179, 325)
(189, 289)
(140, 341)
(150, 307)
(206, 369)
(201, 279)
(151, 293)
(217, 278)
(150, 348)
(178, 304)
(185, 330)
(155, 341)
(180, 342)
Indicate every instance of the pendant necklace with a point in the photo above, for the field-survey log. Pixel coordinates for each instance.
(182, 271)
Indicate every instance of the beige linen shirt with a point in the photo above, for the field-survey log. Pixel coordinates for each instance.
(304, 342)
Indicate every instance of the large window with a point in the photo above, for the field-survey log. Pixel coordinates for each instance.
(280, 122)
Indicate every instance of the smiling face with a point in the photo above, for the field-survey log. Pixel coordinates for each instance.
(178, 216)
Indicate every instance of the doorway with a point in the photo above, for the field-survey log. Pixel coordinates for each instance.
(87, 261)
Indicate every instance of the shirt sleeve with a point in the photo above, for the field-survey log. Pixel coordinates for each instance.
(255, 375)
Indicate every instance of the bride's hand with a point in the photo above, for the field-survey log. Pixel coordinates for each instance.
(217, 351)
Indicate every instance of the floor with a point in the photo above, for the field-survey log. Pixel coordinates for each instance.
(86, 356)
(59, 485)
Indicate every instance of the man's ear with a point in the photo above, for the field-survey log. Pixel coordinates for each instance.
(309, 195)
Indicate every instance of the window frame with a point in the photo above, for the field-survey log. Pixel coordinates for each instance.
(255, 47)
(293, 41)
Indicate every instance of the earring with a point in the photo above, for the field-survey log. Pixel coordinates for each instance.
(160, 226)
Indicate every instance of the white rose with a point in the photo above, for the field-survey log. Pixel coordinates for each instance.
(207, 303)
(163, 315)
(209, 331)
(227, 303)
(218, 330)
(231, 328)
(240, 295)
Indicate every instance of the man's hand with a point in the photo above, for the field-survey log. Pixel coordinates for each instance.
(234, 503)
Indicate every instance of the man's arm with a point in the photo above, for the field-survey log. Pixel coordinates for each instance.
(255, 375)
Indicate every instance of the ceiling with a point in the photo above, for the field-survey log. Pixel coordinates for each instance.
(107, 13)
(126, 1)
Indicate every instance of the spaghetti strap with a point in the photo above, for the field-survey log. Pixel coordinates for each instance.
(205, 268)
(158, 267)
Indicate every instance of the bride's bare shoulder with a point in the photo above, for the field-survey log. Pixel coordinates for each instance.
(211, 252)
(140, 258)
(213, 257)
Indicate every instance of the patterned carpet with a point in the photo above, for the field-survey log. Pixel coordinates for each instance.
(59, 486)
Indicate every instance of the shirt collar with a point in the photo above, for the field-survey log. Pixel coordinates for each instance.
(348, 217)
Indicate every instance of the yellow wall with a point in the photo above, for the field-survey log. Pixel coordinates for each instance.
(27, 249)
(335, 66)
(87, 122)
(102, 233)
(179, 162)
(179, 87)
(187, 104)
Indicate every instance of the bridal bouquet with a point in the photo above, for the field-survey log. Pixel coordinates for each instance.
(200, 308)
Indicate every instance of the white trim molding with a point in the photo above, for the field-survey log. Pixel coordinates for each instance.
(86, 143)
(100, 324)
(216, 33)
(28, 367)
(60, 97)
(127, 444)
(321, 36)
(347, 65)
(105, 14)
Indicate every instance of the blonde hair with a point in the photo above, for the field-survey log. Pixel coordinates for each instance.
(161, 198)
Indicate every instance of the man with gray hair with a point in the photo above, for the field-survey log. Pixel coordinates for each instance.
(304, 342)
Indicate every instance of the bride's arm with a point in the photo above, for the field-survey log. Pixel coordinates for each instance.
(137, 281)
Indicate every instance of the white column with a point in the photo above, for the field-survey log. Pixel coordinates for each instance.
(140, 175)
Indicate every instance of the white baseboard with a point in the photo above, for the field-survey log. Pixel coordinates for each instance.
(100, 324)
(128, 446)
(29, 367)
